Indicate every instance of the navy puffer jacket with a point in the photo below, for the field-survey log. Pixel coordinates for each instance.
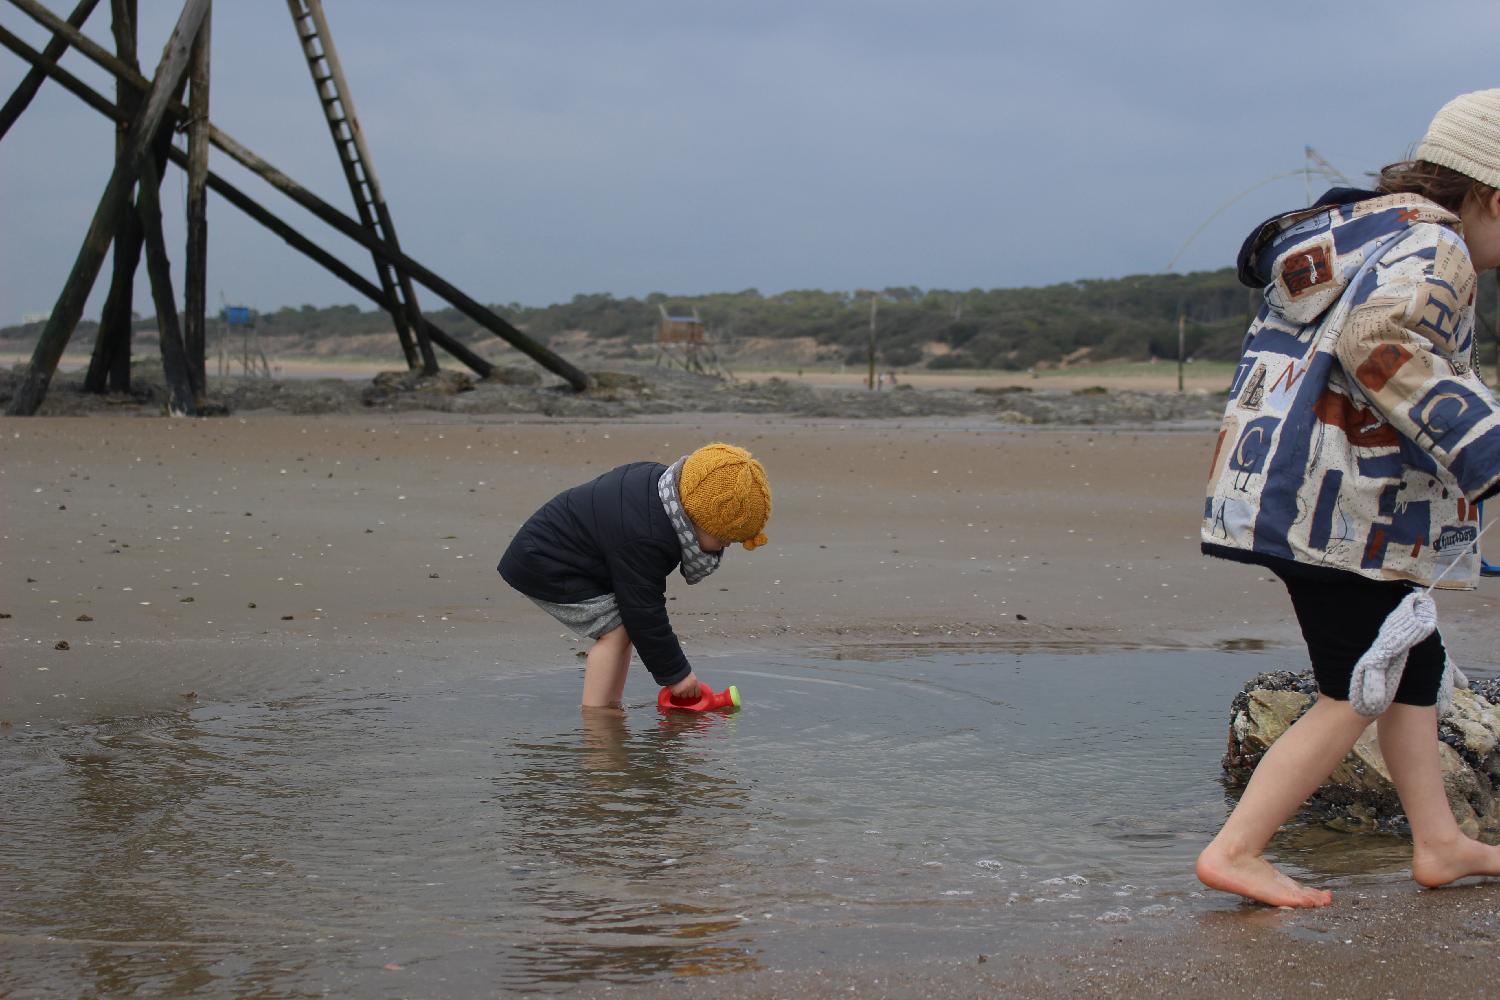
(610, 535)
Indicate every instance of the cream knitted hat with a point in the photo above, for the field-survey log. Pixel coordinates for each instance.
(1465, 135)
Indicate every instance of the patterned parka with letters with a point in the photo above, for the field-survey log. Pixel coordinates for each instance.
(1358, 435)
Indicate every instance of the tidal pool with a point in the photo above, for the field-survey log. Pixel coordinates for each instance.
(444, 841)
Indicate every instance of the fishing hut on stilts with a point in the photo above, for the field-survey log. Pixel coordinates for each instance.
(683, 340)
(252, 356)
(147, 112)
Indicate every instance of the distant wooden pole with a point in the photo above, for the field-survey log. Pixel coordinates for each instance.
(195, 268)
(174, 362)
(1181, 344)
(20, 99)
(249, 206)
(69, 306)
(874, 305)
(351, 228)
(109, 367)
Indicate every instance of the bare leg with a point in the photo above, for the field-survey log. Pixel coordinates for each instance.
(608, 662)
(1440, 851)
(1291, 770)
(604, 736)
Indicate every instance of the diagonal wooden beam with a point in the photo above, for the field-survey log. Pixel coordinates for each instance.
(70, 301)
(333, 265)
(20, 99)
(481, 314)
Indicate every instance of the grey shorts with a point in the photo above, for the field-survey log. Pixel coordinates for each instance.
(589, 618)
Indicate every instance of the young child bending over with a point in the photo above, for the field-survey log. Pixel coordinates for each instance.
(1357, 440)
(597, 557)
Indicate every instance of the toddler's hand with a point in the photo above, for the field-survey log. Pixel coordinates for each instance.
(686, 689)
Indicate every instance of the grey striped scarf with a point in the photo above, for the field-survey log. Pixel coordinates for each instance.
(696, 564)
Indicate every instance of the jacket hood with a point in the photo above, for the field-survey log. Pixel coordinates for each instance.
(1303, 259)
(1253, 265)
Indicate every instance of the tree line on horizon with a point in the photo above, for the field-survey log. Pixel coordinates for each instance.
(1133, 318)
(1002, 328)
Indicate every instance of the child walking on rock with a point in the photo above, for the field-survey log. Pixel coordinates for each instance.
(597, 557)
(1357, 441)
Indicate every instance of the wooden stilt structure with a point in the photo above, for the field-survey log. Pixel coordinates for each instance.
(258, 212)
(151, 110)
(683, 340)
(69, 306)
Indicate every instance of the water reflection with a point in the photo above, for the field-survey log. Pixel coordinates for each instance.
(443, 841)
(1243, 645)
(621, 838)
(119, 812)
(131, 861)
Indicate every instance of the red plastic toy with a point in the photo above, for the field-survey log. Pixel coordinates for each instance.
(707, 701)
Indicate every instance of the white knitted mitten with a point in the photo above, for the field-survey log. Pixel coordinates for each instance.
(1452, 678)
(1378, 672)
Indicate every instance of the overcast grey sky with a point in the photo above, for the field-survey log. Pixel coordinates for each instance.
(531, 151)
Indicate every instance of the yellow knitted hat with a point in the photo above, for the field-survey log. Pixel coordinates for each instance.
(726, 494)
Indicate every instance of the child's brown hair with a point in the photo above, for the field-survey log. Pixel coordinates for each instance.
(1442, 185)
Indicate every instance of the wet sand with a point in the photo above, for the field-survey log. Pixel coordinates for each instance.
(248, 557)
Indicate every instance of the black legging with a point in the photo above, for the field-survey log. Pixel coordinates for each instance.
(1340, 619)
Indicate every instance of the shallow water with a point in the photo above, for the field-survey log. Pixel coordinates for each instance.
(460, 840)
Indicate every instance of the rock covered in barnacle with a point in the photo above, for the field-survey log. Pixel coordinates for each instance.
(1359, 794)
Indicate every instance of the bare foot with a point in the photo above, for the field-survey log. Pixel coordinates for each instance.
(1254, 878)
(1433, 867)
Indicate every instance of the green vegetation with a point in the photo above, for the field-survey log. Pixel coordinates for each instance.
(1124, 319)
(1016, 328)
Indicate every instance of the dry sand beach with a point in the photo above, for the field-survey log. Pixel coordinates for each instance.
(205, 575)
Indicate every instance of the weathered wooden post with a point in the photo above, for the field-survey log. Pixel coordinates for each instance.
(20, 99)
(195, 268)
(174, 362)
(109, 366)
(1181, 343)
(70, 301)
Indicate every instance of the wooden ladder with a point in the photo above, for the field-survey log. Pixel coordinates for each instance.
(354, 156)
